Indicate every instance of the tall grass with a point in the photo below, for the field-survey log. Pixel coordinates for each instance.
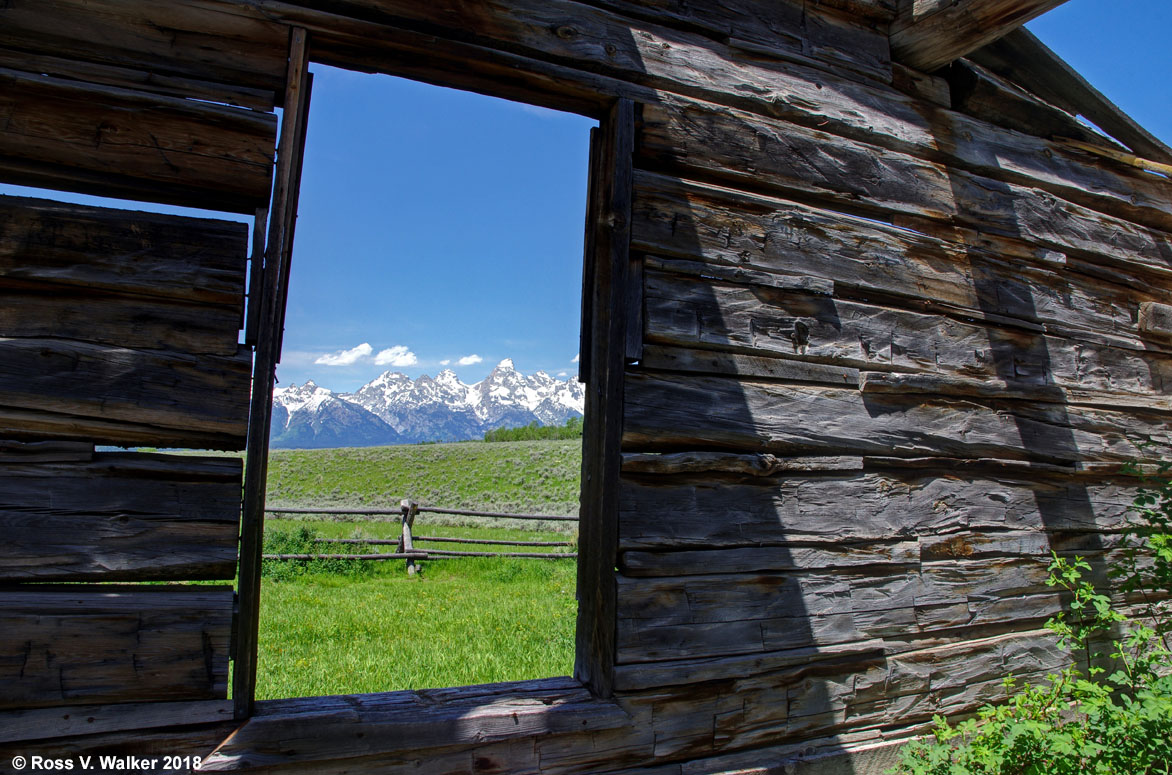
(342, 627)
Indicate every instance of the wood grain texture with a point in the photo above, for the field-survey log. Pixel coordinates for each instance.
(143, 254)
(981, 93)
(1025, 60)
(51, 388)
(1081, 367)
(203, 40)
(117, 142)
(667, 413)
(928, 34)
(757, 153)
(607, 294)
(121, 517)
(695, 616)
(80, 645)
(42, 723)
(706, 512)
(795, 30)
(322, 728)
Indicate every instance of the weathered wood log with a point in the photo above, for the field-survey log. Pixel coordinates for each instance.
(1155, 318)
(732, 463)
(178, 41)
(983, 94)
(927, 384)
(717, 362)
(956, 269)
(794, 30)
(138, 79)
(717, 615)
(768, 558)
(45, 451)
(121, 517)
(149, 255)
(756, 152)
(72, 390)
(659, 514)
(83, 645)
(321, 729)
(1025, 60)
(41, 723)
(693, 671)
(847, 336)
(117, 142)
(928, 34)
(663, 412)
(120, 321)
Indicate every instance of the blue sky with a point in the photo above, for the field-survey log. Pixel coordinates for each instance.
(438, 225)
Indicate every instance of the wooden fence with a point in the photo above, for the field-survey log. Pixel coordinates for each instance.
(405, 548)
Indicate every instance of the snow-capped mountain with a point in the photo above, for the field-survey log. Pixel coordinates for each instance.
(424, 409)
(312, 417)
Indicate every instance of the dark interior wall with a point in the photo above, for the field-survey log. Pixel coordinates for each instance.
(890, 356)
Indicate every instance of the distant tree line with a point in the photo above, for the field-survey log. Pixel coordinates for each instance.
(534, 431)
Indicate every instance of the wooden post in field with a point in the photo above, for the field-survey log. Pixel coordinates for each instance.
(410, 509)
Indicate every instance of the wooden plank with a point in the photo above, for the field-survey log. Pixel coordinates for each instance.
(41, 723)
(140, 80)
(117, 142)
(670, 413)
(793, 30)
(148, 255)
(716, 362)
(983, 94)
(683, 618)
(1025, 60)
(51, 388)
(659, 513)
(174, 42)
(927, 384)
(121, 517)
(758, 153)
(694, 671)
(731, 463)
(270, 327)
(82, 645)
(769, 558)
(121, 321)
(324, 729)
(46, 451)
(598, 530)
(928, 34)
(840, 336)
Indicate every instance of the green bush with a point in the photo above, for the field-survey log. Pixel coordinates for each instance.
(535, 432)
(1110, 713)
(303, 540)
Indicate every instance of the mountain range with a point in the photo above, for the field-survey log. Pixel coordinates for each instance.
(395, 409)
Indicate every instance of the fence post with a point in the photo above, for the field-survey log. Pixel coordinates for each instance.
(409, 508)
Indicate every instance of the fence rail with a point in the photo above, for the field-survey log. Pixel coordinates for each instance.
(405, 543)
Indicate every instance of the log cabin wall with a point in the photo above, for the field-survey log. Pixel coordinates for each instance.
(891, 343)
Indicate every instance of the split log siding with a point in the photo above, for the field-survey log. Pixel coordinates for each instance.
(892, 343)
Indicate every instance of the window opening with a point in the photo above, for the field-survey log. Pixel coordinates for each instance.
(434, 301)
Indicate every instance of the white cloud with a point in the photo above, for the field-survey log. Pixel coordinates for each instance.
(446, 362)
(398, 355)
(576, 358)
(563, 374)
(468, 360)
(346, 357)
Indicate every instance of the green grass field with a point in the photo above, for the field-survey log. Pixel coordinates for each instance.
(350, 627)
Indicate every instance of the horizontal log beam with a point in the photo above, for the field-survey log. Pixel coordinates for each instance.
(121, 517)
(65, 645)
(928, 34)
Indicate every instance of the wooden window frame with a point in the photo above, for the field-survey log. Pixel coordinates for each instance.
(607, 345)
